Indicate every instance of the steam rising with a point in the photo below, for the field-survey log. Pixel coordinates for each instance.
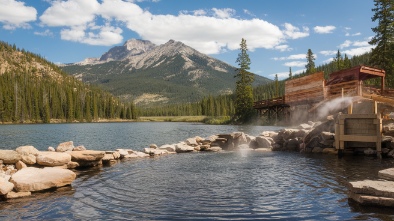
(334, 105)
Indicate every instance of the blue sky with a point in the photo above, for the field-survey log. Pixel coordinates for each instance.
(278, 33)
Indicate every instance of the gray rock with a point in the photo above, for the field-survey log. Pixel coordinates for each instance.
(152, 152)
(153, 146)
(72, 165)
(9, 156)
(14, 195)
(183, 148)
(65, 146)
(108, 157)
(20, 165)
(292, 145)
(26, 150)
(52, 159)
(264, 142)
(214, 149)
(169, 148)
(86, 155)
(387, 174)
(29, 159)
(79, 148)
(5, 187)
(317, 150)
(191, 142)
(380, 188)
(34, 179)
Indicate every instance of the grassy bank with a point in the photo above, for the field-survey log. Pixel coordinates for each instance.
(201, 119)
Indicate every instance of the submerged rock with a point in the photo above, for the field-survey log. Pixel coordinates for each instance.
(13, 195)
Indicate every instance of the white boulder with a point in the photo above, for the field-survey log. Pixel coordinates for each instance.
(65, 146)
(35, 179)
(48, 158)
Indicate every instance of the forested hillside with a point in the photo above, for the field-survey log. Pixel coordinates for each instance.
(35, 90)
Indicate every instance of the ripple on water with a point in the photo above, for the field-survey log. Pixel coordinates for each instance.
(222, 186)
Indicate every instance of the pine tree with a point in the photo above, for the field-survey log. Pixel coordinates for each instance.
(382, 55)
(243, 90)
(346, 62)
(290, 73)
(310, 66)
(338, 61)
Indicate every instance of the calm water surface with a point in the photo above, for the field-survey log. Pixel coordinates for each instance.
(199, 186)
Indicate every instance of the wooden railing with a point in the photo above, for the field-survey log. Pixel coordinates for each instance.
(269, 102)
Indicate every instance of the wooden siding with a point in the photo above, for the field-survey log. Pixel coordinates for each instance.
(308, 89)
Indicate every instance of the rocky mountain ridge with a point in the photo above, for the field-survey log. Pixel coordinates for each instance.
(170, 73)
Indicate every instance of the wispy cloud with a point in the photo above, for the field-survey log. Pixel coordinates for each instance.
(291, 57)
(295, 64)
(293, 32)
(324, 29)
(47, 32)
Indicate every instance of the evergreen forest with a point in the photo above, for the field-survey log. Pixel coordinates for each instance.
(33, 90)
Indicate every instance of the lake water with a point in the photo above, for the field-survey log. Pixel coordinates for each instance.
(198, 186)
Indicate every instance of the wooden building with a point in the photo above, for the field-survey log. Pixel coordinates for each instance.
(304, 95)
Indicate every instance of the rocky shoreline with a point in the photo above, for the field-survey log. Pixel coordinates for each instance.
(26, 170)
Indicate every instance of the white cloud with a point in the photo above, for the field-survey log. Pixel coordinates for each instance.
(328, 60)
(295, 64)
(281, 75)
(345, 44)
(356, 34)
(14, 14)
(199, 12)
(106, 35)
(283, 48)
(223, 13)
(291, 57)
(293, 32)
(361, 43)
(328, 53)
(70, 13)
(47, 32)
(324, 29)
(358, 51)
(209, 34)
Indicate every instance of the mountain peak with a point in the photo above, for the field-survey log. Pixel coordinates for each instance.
(138, 45)
(130, 48)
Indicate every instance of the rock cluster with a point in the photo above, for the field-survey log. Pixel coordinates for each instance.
(374, 192)
(25, 169)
